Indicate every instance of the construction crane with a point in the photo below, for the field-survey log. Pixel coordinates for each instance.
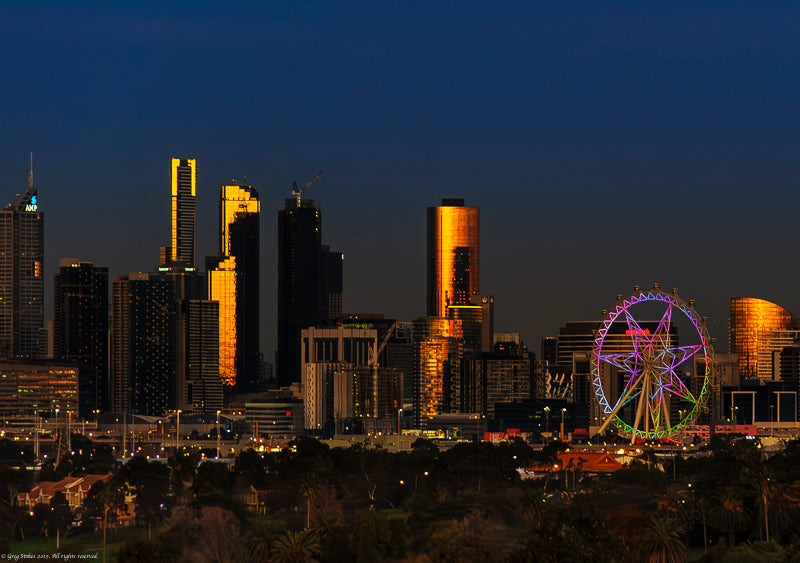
(297, 191)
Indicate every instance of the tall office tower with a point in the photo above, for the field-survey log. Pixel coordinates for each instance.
(144, 363)
(453, 259)
(222, 288)
(199, 382)
(757, 330)
(184, 187)
(21, 275)
(306, 287)
(80, 328)
(233, 280)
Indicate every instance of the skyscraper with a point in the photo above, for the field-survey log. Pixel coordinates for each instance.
(453, 259)
(306, 288)
(145, 351)
(184, 187)
(234, 281)
(758, 329)
(80, 328)
(21, 275)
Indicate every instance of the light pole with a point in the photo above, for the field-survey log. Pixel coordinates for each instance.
(218, 433)
(563, 411)
(772, 420)
(547, 420)
(177, 432)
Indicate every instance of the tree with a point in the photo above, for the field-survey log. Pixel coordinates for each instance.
(661, 541)
(729, 515)
(296, 547)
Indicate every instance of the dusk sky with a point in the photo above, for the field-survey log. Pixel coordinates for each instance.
(607, 144)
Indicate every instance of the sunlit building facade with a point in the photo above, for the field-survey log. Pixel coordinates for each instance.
(453, 257)
(222, 289)
(757, 330)
(21, 275)
(184, 191)
(438, 354)
(234, 281)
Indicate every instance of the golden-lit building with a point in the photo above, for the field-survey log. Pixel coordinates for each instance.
(438, 353)
(453, 255)
(184, 189)
(233, 281)
(27, 388)
(757, 330)
(222, 288)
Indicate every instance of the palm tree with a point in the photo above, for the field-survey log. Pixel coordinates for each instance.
(295, 547)
(661, 541)
(729, 514)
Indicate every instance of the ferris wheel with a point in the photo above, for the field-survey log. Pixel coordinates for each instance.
(636, 369)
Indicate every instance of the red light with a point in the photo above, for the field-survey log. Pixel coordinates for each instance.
(288, 413)
(637, 332)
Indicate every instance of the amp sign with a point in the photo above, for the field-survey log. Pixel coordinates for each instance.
(32, 206)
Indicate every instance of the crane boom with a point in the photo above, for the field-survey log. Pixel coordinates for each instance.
(297, 191)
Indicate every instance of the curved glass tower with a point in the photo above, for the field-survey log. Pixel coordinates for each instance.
(757, 329)
(453, 255)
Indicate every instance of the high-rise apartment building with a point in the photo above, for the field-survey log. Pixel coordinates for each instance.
(758, 330)
(453, 258)
(144, 363)
(438, 358)
(234, 281)
(308, 282)
(184, 188)
(80, 328)
(21, 275)
(199, 382)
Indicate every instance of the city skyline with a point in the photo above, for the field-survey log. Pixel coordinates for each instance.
(606, 148)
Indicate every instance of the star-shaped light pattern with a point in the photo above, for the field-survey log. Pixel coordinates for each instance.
(650, 369)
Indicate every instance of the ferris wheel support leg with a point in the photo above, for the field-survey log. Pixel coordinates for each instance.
(640, 408)
(619, 404)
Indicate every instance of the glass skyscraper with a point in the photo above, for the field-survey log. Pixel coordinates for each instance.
(80, 328)
(757, 330)
(21, 275)
(234, 281)
(184, 188)
(453, 255)
(309, 282)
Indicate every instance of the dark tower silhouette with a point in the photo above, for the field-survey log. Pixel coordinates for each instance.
(309, 281)
(21, 274)
(80, 329)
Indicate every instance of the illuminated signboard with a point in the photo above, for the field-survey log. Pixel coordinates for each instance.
(32, 205)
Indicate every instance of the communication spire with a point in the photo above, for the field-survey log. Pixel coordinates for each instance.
(30, 174)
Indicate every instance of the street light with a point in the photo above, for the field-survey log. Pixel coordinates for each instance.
(218, 433)
(563, 410)
(547, 420)
(177, 432)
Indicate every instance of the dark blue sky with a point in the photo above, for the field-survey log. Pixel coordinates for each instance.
(607, 144)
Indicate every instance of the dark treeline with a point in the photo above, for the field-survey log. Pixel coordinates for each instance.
(309, 502)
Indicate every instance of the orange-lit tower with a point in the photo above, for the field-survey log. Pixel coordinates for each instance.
(757, 330)
(184, 188)
(453, 255)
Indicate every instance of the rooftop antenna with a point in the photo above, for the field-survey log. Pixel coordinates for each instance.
(30, 174)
